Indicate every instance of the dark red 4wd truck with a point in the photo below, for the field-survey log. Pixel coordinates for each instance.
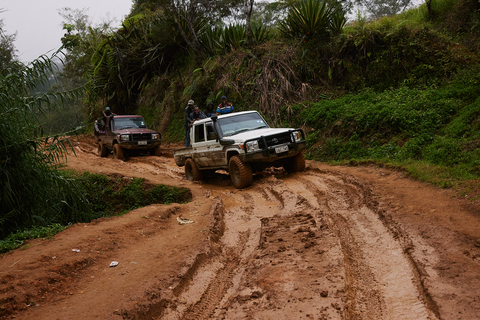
(124, 134)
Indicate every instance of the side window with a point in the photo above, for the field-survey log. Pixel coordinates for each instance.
(210, 133)
(200, 133)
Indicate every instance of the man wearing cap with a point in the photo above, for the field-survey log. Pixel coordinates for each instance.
(224, 107)
(188, 121)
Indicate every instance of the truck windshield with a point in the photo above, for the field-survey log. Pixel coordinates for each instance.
(241, 123)
(127, 123)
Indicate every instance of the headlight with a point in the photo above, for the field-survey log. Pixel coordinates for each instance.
(155, 136)
(252, 146)
(297, 135)
(124, 137)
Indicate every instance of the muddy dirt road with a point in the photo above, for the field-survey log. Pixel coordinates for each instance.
(327, 243)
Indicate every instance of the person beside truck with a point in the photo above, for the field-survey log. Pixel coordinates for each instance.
(188, 121)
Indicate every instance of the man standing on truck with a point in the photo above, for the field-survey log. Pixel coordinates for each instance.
(107, 113)
(210, 111)
(224, 107)
(188, 121)
(197, 114)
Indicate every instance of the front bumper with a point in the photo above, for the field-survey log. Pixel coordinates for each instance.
(134, 145)
(270, 155)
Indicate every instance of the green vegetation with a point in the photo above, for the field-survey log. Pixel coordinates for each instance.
(105, 196)
(16, 240)
(109, 195)
(32, 191)
(433, 132)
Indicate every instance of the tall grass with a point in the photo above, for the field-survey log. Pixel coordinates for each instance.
(32, 191)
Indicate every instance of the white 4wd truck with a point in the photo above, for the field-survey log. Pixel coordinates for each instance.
(240, 143)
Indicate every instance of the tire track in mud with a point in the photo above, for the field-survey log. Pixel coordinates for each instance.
(142, 163)
(381, 281)
(214, 292)
(278, 231)
(378, 280)
(308, 242)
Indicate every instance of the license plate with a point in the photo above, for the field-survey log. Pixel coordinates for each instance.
(142, 143)
(281, 149)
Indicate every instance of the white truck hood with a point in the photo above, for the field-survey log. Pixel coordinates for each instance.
(243, 136)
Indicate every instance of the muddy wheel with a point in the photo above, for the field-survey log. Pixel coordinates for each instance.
(118, 152)
(102, 150)
(191, 171)
(240, 173)
(157, 151)
(295, 164)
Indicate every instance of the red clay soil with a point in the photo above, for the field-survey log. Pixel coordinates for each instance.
(328, 243)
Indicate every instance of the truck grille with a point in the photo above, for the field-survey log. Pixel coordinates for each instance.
(141, 136)
(275, 140)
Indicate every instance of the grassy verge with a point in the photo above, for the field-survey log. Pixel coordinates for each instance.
(115, 194)
(432, 132)
(106, 196)
(16, 240)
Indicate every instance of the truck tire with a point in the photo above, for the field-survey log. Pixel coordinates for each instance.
(118, 152)
(102, 150)
(157, 151)
(191, 170)
(295, 164)
(240, 173)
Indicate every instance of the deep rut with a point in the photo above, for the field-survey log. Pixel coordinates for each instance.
(306, 245)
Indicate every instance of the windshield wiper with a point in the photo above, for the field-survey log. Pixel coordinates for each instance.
(239, 131)
(264, 126)
(247, 129)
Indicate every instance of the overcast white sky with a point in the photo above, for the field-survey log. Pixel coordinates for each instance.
(39, 26)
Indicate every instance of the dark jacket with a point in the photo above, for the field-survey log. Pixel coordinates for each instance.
(209, 112)
(188, 119)
(198, 116)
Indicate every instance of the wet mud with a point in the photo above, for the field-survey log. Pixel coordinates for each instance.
(327, 243)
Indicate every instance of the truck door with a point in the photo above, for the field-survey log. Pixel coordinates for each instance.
(217, 157)
(109, 123)
(199, 145)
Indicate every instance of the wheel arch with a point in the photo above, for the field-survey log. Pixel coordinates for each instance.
(231, 153)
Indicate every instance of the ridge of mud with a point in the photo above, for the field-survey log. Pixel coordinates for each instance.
(403, 239)
(349, 216)
(61, 269)
(156, 301)
(407, 244)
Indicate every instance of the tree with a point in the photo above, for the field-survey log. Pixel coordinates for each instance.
(8, 53)
(80, 41)
(189, 12)
(248, 6)
(382, 8)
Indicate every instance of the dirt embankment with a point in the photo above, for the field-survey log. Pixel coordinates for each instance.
(327, 243)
